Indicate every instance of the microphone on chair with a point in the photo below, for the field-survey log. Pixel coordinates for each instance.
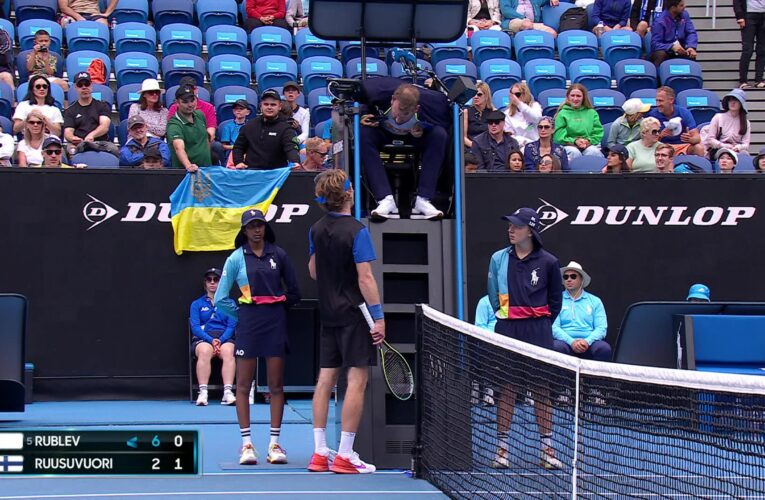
(406, 58)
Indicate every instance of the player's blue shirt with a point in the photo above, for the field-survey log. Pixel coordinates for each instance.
(363, 250)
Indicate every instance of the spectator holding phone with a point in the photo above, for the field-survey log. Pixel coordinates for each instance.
(41, 61)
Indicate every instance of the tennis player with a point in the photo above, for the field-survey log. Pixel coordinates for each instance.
(269, 287)
(341, 254)
(525, 291)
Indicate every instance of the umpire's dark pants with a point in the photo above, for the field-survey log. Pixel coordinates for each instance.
(753, 32)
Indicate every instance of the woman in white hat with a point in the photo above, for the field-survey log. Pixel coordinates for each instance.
(731, 128)
(581, 326)
(626, 128)
(150, 108)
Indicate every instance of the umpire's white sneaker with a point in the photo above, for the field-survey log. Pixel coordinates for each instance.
(424, 209)
(228, 398)
(202, 398)
(386, 209)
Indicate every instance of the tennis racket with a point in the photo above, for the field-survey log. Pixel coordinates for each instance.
(396, 371)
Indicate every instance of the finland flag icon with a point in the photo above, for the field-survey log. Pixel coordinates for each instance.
(11, 463)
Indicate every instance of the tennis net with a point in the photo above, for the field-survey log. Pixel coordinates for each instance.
(618, 431)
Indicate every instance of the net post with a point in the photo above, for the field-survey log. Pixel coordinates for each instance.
(574, 463)
(417, 449)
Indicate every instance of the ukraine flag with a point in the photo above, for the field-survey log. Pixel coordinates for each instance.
(207, 206)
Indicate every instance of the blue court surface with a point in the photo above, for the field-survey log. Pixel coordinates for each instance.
(222, 475)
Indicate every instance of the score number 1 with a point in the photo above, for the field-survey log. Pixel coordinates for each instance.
(177, 441)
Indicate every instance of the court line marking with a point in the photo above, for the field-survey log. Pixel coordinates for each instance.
(191, 477)
(224, 493)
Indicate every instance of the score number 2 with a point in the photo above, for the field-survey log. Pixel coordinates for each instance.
(178, 442)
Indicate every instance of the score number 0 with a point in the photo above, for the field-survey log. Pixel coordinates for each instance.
(178, 442)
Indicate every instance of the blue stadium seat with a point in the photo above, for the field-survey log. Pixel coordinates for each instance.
(500, 74)
(132, 11)
(27, 30)
(172, 11)
(226, 40)
(6, 125)
(318, 130)
(80, 60)
(352, 49)
(744, 165)
(681, 74)
(618, 45)
(375, 67)
(21, 65)
(449, 69)
(397, 71)
(275, 71)
(270, 41)
(308, 45)
(703, 104)
(648, 96)
(135, 67)
(228, 69)
(587, 165)
(127, 95)
(96, 159)
(608, 104)
(317, 70)
(55, 90)
(6, 101)
(551, 15)
(100, 92)
(500, 99)
(533, 44)
(35, 9)
(320, 105)
(216, 13)
(550, 100)
(592, 73)
(490, 44)
(202, 94)
(134, 37)
(576, 44)
(543, 74)
(604, 140)
(87, 35)
(634, 74)
(8, 27)
(176, 66)
(224, 98)
(178, 38)
(697, 160)
(449, 50)
(122, 132)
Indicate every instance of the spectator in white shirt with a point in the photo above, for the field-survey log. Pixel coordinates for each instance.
(522, 115)
(300, 114)
(38, 97)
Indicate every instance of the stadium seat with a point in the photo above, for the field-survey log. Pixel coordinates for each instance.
(551, 15)
(375, 68)
(744, 165)
(134, 67)
(550, 100)
(87, 35)
(134, 37)
(490, 44)
(448, 70)
(172, 11)
(592, 73)
(226, 40)
(100, 92)
(228, 69)
(587, 165)
(122, 132)
(8, 27)
(697, 160)
(352, 49)
(21, 65)
(320, 105)
(703, 104)
(634, 74)
(96, 159)
(6, 124)
(543, 74)
(318, 130)
(576, 44)
(317, 70)
(224, 98)
(618, 45)
(608, 104)
(500, 74)
(648, 96)
(180, 38)
(202, 94)
(176, 66)
(132, 11)
(500, 99)
(216, 13)
(449, 50)
(681, 74)
(397, 71)
(34, 9)
(27, 29)
(270, 41)
(275, 71)
(533, 44)
(308, 45)
(604, 140)
(80, 60)
(6, 101)
(127, 95)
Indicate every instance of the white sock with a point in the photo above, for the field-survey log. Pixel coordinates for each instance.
(346, 444)
(546, 441)
(246, 439)
(275, 431)
(320, 441)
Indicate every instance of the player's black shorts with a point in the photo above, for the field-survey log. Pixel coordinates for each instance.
(346, 346)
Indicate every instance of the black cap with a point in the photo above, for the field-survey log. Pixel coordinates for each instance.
(214, 271)
(241, 103)
(291, 83)
(526, 217)
(495, 116)
(81, 76)
(51, 141)
(187, 80)
(619, 149)
(185, 92)
(270, 93)
(250, 216)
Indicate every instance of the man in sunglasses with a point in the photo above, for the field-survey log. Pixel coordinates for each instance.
(132, 153)
(53, 153)
(493, 147)
(87, 120)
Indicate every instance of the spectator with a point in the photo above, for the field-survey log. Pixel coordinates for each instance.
(87, 121)
(471, 163)
(6, 59)
(610, 15)
(295, 14)
(38, 97)
(750, 16)
(520, 15)
(515, 161)
(267, 141)
(759, 162)
(698, 293)
(132, 153)
(187, 133)
(484, 15)
(53, 153)
(548, 164)
(643, 151)
(726, 160)
(266, 13)
(41, 61)
(7, 148)
(212, 336)
(581, 326)
(211, 118)
(577, 125)
(643, 14)
(315, 155)
(664, 155)
(678, 127)
(150, 108)
(152, 158)
(544, 145)
(522, 115)
(300, 114)
(474, 116)
(626, 128)
(493, 147)
(84, 10)
(616, 160)
(673, 34)
(229, 131)
(731, 128)
(29, 149)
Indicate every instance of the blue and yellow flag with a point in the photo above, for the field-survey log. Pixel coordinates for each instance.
(207, 205)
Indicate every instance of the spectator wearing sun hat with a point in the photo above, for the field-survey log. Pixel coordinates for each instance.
(626, 128)
(581, 326)
(698, 293)
(731, 128)
(726, 160)
(150, 108)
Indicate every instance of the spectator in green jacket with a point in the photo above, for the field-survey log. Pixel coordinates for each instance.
(577, 124)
